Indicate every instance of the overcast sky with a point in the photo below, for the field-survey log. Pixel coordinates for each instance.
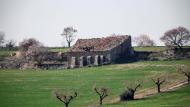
(45, 19)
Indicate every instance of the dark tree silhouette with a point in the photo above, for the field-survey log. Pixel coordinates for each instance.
(186, 71)
(102, 92)
(69, 34)
(66, 99)
(158, 81)
(177, 37)
(130, 92)
(10, 44)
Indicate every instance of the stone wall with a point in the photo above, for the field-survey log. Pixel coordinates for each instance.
(95, 58)
(81, 59)
(124, 49)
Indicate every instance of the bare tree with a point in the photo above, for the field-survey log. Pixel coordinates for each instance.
(102, 92)
(130, 92)
(69, 34)
(65, 98)
(158, 81)
(144, 40)
(186, 71)
(26, 43)
(33, 50)
(177, 37)
(2, 38)
(37, 54)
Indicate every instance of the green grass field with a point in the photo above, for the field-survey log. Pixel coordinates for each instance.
(59, 49)
(137, 48)
(5, 52)
(34, 88)
(177, 98)
(150, 48)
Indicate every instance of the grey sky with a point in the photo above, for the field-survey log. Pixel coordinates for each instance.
(45, 19)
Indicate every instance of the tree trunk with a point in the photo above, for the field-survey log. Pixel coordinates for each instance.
(69, 44)
(101, 100)
(66, 104)
(133, 94)
(158, 88)
(180, 47)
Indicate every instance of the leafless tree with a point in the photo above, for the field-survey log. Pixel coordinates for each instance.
(33, 50)
(131, 89)
(37, 54)
(186, 71)
(102, 92)
(25, 44)
(144, 40)
(177, 37)
(65, 98)
(69, 34)
(2, 38)
(158, 81)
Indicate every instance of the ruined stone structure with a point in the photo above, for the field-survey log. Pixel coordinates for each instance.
(98, 51)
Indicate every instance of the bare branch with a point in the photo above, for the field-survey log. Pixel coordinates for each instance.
(177, 37)
(102, 92)
(69, 34)
(66, 99)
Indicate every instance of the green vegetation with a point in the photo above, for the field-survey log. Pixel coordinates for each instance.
(177, 98)
(153, 48)
(150, 48)
(137, 48)
(32, 88)
(59, 49)
(4, 52)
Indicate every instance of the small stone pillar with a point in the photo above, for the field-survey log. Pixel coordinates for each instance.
(89, 60)
(96, 57)
(81, 60)
(73, 62)
(101, 59)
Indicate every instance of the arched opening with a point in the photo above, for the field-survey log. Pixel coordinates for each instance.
(99, 60)
(84, 61)
(89, 60)
(77, 61)
(104, 59)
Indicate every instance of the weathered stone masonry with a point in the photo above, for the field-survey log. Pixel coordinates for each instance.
(98, 51)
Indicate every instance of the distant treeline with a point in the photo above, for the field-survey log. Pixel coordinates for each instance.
(8, 49)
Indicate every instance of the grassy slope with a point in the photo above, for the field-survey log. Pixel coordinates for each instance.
(59, 49)
(150, 48)
(34, 88)
(137, 48)
(6, 52)
(177, 98)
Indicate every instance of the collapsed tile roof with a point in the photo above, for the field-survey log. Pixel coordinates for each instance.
(99, 44)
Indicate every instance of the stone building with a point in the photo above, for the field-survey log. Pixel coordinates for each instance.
(98, 51)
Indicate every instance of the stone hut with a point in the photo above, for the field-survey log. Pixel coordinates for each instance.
(98, 51)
